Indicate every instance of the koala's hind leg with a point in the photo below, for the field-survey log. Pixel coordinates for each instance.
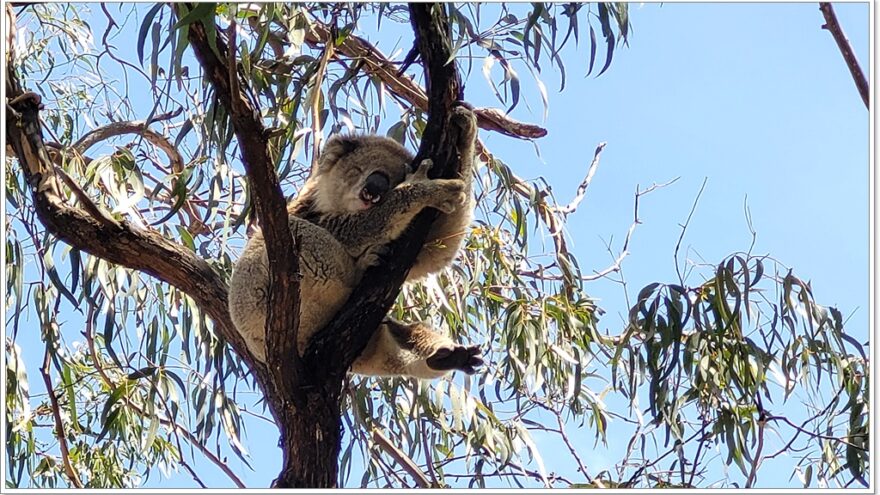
(414, 350)
(448, 231)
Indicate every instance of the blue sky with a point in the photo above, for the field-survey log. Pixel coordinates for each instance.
(754, 98)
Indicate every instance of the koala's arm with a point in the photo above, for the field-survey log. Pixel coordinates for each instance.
(414, 350)
(449, 229)
(366, 233)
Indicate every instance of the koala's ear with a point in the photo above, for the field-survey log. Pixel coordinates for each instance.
(337, 147)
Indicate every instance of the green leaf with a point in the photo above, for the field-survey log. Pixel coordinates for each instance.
(179, 192)
(67, 381)
(144, 29)
(49, 264)
(608, 55)
(200, 13)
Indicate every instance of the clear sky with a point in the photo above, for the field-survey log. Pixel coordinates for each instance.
(753, 97)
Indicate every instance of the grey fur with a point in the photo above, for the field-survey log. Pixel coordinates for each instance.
(343, 231)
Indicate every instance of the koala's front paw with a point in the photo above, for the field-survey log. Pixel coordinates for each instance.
(371, 257)
(451, 194)
(459, 357)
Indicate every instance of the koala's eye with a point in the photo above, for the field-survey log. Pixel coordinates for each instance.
(376, 185)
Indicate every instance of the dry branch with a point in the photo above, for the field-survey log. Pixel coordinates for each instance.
(833, 26)
(405, 88)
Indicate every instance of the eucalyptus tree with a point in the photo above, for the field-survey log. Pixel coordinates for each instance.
(143, 141)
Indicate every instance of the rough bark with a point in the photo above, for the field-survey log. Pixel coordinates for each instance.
(282, 361)
(333, 349)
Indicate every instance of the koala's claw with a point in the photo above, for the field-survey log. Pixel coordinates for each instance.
(372, 257)
(460, 357)
(421, 173)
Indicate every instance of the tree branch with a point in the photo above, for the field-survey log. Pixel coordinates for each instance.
(403, 460)
(345, 337)
(103, 236)
(832, 25)
(107, 238)
(59, 426)
(404, 87)
(282, 316)
(582, 188)
(132, 127)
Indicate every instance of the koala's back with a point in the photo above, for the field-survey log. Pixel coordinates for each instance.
(329, 274)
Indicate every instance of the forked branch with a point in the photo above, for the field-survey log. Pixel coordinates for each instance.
(282, 317)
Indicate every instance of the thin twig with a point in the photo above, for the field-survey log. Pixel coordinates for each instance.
(581, 467)
(696, 462)
(805, 422)
(833, 26)
(684, 229)
(814, 434)
(59, 426)
(753, 473)
(658, 459)
(402, 459)
(183, 463)
(582, 188)
(615, 266)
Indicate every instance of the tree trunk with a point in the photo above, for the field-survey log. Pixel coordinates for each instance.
(311, 442)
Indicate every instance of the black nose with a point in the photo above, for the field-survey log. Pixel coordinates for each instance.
(377, 185)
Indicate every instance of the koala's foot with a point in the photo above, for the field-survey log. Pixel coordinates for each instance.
(464, 118)
(459, 357)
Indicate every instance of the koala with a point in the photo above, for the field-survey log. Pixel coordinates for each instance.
(330, 199)
(361, 197)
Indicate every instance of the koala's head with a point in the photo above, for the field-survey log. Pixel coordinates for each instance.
(356, 172)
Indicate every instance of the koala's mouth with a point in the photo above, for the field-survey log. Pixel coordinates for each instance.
(375, 186)
(369, 198)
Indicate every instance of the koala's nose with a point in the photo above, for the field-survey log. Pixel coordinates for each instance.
(377, 185)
